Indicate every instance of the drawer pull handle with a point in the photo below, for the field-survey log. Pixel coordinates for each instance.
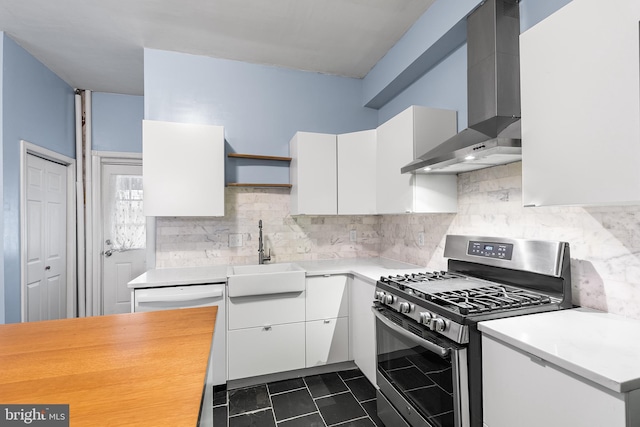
(266, 328)
(327, 321)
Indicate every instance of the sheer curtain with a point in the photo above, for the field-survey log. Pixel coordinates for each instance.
(128, 230)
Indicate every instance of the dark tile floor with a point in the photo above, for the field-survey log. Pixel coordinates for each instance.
(344, 399)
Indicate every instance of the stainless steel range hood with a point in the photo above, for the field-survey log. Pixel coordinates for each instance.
(493, 96)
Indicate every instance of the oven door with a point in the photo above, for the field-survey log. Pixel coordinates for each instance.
(422, 375)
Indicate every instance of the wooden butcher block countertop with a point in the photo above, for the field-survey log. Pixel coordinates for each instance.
(139, 369)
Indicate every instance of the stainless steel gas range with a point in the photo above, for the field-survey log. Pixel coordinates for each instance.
(429, 366)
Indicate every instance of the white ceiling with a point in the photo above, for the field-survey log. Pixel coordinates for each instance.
(98, 44)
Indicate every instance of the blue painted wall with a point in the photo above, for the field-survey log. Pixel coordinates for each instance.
(37, 106)
(439, 31)
(444, 86)
(534, 11)
(261, 107)
(116, 123)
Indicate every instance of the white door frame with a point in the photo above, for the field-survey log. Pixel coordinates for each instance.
(99, 159)
(27, 148)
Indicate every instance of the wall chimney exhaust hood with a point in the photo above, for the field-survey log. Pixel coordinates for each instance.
(493, 96)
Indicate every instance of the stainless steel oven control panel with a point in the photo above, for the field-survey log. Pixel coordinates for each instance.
(436, 323)
(491, 249)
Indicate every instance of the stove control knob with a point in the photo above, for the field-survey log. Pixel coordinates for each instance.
(389, 299)
(438, 325)
(380, 296)
(425, 318)
(405, 307)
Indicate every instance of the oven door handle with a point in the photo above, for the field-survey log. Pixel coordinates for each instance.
(432, 347)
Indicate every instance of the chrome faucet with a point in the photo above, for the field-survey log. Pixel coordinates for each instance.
(261, 257)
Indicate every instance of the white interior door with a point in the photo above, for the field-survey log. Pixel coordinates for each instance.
(46, 239)
(124, 232)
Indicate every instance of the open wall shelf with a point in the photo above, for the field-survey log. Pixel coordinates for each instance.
(258, 157)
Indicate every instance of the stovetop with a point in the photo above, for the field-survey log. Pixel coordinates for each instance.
(462, 294)
(447, 302)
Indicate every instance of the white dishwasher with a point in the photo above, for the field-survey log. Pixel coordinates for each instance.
(189, 296)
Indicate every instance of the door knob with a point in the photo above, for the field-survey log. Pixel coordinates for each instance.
(48, 267)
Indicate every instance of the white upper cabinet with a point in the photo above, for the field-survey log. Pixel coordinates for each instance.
(401, 139)
(357, 173)
(581, 105)
(182, 169)
(313, 174)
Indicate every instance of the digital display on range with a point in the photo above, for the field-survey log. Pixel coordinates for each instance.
(491, 250)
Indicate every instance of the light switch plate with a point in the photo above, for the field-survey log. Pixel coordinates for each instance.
(421, 238)
(353, 235)
(235, 240)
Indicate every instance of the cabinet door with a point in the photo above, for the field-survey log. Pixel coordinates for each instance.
(362, 327)
(313, 174)
(400, 140)
(581, 105)
(521, 390)
(327, 297)
(182, 169)
(435, 193)
(327, 341)
(394, 150)
(357, 173)
(266, 350)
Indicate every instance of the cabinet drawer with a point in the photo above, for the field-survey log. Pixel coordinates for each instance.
(260, 351)
(327, 297)
(327, 341)
(261, 310)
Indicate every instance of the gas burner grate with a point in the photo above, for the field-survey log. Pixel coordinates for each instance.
(404, 280)
(486, 299)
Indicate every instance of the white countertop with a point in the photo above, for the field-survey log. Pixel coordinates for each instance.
(598, 346)
(367, 268)
(180, 276)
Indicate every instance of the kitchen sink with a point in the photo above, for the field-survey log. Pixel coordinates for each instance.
(264, 279)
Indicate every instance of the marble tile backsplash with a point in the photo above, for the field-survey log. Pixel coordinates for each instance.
(186, 241)
(605, 241)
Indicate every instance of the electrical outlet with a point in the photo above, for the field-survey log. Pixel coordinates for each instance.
(421, 238)
(353, 235)
(235, 240)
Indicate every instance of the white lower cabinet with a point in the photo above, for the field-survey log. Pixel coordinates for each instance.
(362, 327)
(266, 334)
(327, 326)
(327, 341)
(330, 322)
(265, 350)
(522, 390)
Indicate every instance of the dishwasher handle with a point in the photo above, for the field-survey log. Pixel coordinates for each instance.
(172, 296)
